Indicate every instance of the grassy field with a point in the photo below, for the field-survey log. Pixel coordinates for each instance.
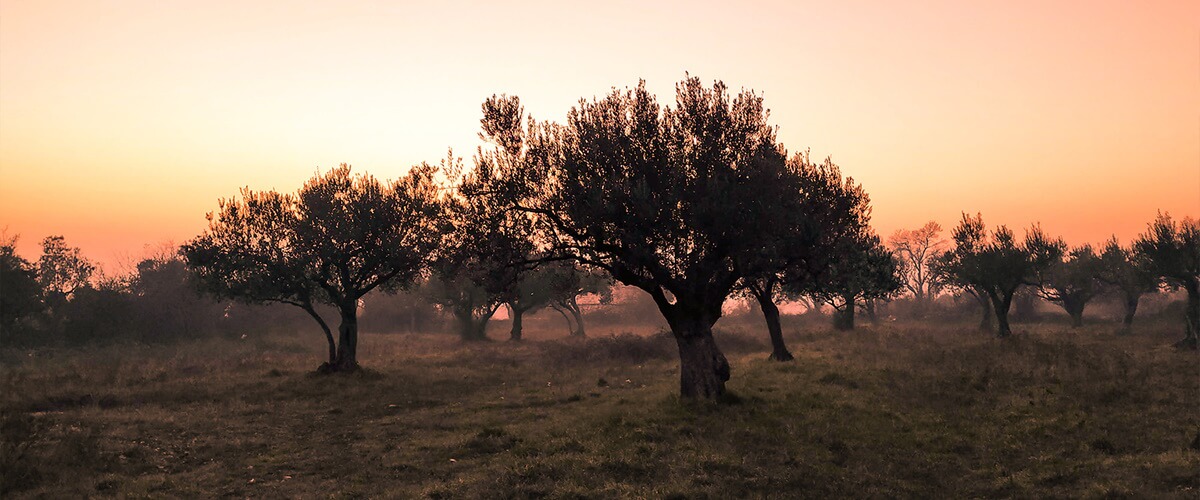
(887, 411)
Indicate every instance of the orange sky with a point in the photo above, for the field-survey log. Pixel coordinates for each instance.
(122, 123)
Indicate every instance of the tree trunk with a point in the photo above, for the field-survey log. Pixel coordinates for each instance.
(563, 312)
(1131, 305)
(869, 309)
(844, 319)
(703, 370)
(470, 329)
(1002, 305)
(347, 349)
(779, 350)
(1074, 308)
(985, 324)
(308, 308)
(517, 315)
(573, 306)
(1192, 318)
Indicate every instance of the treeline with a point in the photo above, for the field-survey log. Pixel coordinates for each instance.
(996, 270)
(692, 204)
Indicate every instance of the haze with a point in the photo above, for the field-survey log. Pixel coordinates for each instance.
(122, 123)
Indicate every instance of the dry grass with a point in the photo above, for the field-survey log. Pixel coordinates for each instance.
(889, 411)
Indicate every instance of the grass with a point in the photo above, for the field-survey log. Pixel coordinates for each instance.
(887, 411)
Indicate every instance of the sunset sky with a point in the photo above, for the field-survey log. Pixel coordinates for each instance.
(122, 123)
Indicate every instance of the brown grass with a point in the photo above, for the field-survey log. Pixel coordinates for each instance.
(894, 410)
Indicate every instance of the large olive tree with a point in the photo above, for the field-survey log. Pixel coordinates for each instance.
(664, 198)
(340, 236)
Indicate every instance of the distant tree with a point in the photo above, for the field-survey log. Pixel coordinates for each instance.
(1171, 251)
(479, 267)
(823, 213)
(664, 199)
(20, 291)
(1070, 280)
(167, 300)
(1119, 269)
(996, 265)
(863, 271)
(915, 251)
(568, 282)
(62, 270)
(339, 237)
(532, 291)
(943, 270)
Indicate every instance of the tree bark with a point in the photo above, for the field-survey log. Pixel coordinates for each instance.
(985, 323)
(1001, 305)
(573, 306)
(347, 349)
(517, 315)
(1131, 305)
(471, 328)
(779, 350)
(703, 370)
(844, 319)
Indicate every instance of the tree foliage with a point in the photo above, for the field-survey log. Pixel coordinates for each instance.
(1069, 280)
(62, 270)
(915, 251)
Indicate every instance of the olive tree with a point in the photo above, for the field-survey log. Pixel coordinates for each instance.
(340, 236)
(996, 265)
(822, 213)
(1170, 250)
(1070, 280)
(664, 198)
(1119, 269)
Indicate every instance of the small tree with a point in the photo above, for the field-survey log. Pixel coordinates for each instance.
(942, 268)
(823, 213)
(1118, 268)
(915, 251)
(1171, 251)
(863, 271)
(569, 281)
(339, 237)
(1069, 282)
(62, 270)
(996, 265)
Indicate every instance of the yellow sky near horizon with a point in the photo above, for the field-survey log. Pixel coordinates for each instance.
(122, 123)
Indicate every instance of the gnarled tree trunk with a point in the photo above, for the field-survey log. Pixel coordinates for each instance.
(573, 306)
(1074, 308)
(703, 370)
(844, 319)
(347, 349)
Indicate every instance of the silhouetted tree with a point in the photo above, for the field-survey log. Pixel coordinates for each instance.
(532, 291)
(996, 266)
(62, 270)
(664, 199)
(478, 269)
(1171, 251)
(167, 302)
(822, 213)
(1118, 268)
(863, 270)
(915, 251)
(20, 291)
(339, 237)
(568, 282)
(943, 270)
(1070, 280)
